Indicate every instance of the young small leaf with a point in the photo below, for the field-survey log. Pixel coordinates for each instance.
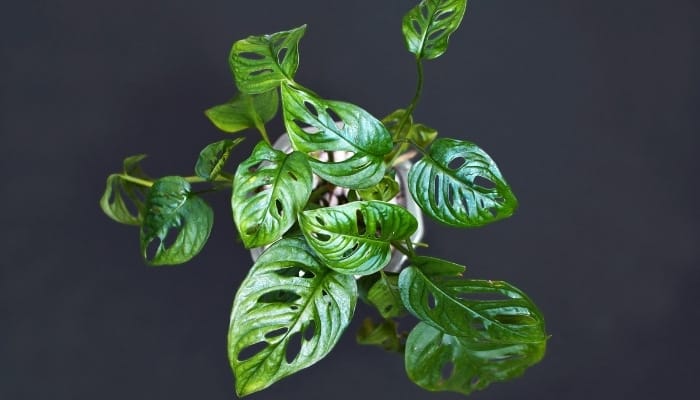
(384, 335)
(269, 189)
(355, 238)
(385, 190)
(419, 134)
(171, 207)
(288, 297)
(316, 125)
(385, 296)
(458, 184)
(428, 26)
(437, 361)
(244, 111)
(123, 201)
(260, 63)
(437, 268)
(487, 311)
(213, 157)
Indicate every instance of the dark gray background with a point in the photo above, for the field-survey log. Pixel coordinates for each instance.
(590, 108)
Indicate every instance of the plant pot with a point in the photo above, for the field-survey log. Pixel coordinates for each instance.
(403, 198)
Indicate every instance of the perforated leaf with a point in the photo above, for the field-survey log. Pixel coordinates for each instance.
(269, 189)
(437, 361)
(244, 111)
(288, 314)
(123, 201)
(458, 184)
(172, 211)
(355, 238)
(260, 63)
(428, 26)
(212, 158)
(315, 125)
(485, 311)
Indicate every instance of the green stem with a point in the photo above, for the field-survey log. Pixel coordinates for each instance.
(409, 112)
(138, 181)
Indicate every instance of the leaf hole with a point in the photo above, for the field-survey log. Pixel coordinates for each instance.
(378, 231)
(447, 370)
(279, 207)
(295, 272)
(456, 163)
(443, 15)
(436, 190)
(308, 128)
(347, 253)
(360, 219)
(251, 230)
(334, 116)
(388, 308)
(259, 72)
(152, 249)
(321, 236)
(484, 182)
(251, 56)
(436, 34)
(474, 382)
(276, 333)
(478, 325)
(309, 331)
(293, 347)
(416, 26)
(311, 108)
(250, 351)
(292, 175)
(279, 296)
(432, 303)
(424, 11)
(281, 54)
(320, 221)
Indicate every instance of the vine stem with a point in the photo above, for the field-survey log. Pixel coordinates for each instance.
(409, 111)
(190, 179)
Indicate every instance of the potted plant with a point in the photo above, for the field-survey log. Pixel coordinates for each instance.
(324, 210)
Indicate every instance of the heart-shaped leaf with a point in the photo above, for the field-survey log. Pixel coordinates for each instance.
(486, 311)
(269, 189)
(355, 238)
(437, 361)
(213, 157)
(123, 201)
(427, 27)
(244, 111)
(171, 207)
(458, 184)
(288, 314)
(260, 63)
(315, 125)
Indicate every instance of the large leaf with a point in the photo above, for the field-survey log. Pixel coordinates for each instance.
(486, 311)
(212, 158)
(355, 238)
(269, 189)
(437, 361)
(123, 201)
(458, 184)
(288, 314)
(428, 26)
(316, 125)
(244, 111)
(260, 63)
(172, 209)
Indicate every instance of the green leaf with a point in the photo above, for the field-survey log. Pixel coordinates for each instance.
(244, 111)
(458, 184)
(288, 314)
(437, 361)
(260, 63)
(385, 296)
(269, 189)
(315, 125)
(213, 157)
(385, 190)
(171, 207)
(123, 201)
(384, 335)
(355, 238)
(419, 134)
(427, 27)
(435, 268)
(490, 311)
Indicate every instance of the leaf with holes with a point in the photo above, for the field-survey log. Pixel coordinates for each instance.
(355, 238)
(427, 27)
(288, 314)
(171, 207)
(486, 311)
(260, 63)
(384, 335)
(244, 111)
(315, 126)
(458, 184)
(437, 361)
(385, 190)
(123, 201)
(385, 296)
(269, 189)
(213, 157)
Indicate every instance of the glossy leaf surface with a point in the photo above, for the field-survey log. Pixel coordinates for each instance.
(269, 189)
(355, 238)
(315, 125)
(260, 63)
(436, 267)
(123, 201)
(385, 190)
(172, 211)
(212, 158)
(458, 184)
(244, 111)
(428, 26)
(437, 361)
(288, 314)
(485, 311)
